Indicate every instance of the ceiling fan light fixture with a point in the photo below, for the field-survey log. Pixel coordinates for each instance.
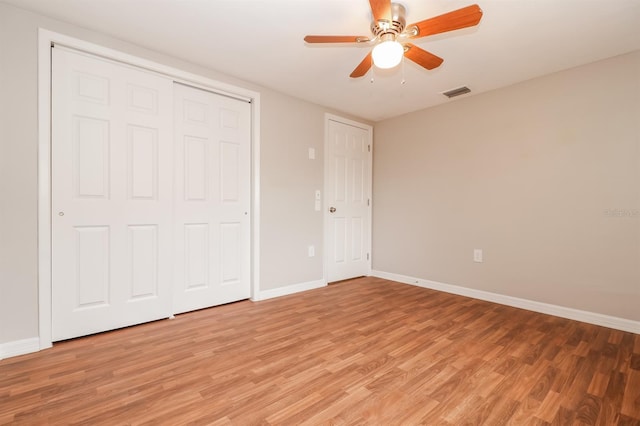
(387, 54)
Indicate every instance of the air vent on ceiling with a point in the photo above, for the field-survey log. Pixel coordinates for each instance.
(456, 92)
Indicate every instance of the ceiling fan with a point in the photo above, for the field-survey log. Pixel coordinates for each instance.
(392, 36)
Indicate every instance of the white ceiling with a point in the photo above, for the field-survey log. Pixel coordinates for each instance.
(262, 41)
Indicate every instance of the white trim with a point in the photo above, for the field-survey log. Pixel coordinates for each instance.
(325, 223)
(290, 289)
(45, 40)
(118, 56)
(19, 347)
(255, 212)
(328, 116)
(516, 302)
(44, 189)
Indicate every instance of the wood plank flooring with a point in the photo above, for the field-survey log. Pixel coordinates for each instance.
(366, 352)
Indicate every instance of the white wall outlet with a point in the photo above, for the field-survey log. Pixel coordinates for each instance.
(312, 153)
(477, 255)
(312, 251)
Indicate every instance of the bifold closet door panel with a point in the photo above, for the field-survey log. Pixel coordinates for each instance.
(212, 199)
(112, 194)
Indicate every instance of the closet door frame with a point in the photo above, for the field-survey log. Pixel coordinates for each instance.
(46, 40)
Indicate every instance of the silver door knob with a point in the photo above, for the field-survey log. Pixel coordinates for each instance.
(332, 209)
(60, 213)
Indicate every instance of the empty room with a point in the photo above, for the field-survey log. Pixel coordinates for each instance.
(286, 212)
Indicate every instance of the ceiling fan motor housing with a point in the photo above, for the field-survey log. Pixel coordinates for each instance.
(382, 27)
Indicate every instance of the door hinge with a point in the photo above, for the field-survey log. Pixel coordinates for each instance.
(367, 256)
(368, 201)
(369, 148)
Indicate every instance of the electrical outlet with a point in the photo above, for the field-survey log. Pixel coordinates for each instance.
(477, 255)
(312, 251)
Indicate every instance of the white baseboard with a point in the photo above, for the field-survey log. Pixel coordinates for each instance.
(19, 347)
(290, 289)
(25, 346)
(545, 308)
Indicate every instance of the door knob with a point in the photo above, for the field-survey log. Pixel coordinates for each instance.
(332, 209)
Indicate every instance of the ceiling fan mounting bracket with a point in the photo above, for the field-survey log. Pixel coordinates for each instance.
(412, 31)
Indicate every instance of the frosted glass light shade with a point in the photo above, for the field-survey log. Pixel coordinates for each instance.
(387, 54)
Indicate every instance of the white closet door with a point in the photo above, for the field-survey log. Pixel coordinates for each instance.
(212, 177)
(111, 195)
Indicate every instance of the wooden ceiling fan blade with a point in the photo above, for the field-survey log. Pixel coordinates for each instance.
(362, 68)
(422, 57)
(381, 9)
(461, 18)
(334, 39)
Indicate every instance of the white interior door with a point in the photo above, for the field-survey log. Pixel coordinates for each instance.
(212, 202)
(348, 199)
(111, 195)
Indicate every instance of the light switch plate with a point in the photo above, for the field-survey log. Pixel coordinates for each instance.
(477, 255)
(312, 154)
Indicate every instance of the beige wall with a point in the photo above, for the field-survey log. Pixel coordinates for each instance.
(18, 183)
(533, 174)
(288, 179)
(290, 224)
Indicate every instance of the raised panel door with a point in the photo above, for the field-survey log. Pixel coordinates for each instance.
(212, 199)
(348, 160)
(111, 195)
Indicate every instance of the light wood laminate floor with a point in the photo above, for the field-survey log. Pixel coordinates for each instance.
(366, 351)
